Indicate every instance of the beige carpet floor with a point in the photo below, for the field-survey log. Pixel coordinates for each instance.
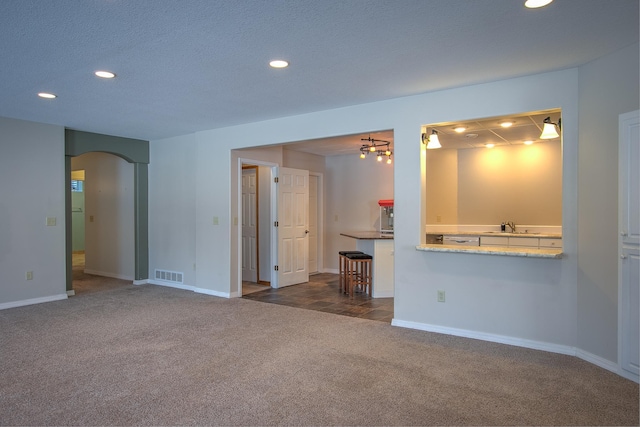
(151, 355)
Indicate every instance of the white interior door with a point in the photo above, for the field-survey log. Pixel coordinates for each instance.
(293, 226)
(249, 225)
(629, 244)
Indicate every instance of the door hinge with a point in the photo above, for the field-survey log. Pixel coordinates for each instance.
(275, 223)
(275, 267)
(276, 179)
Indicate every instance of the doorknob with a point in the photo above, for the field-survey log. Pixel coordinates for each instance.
(306, 231)
(623, 257)
(623, 234)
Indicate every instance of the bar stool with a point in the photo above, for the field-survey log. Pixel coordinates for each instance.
(342, 262)
(358, 272)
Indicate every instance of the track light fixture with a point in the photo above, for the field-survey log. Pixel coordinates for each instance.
(550, 129)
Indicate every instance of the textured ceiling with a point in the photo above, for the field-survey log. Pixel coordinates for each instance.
(190, 65)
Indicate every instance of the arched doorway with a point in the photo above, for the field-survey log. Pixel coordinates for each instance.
(134, 151)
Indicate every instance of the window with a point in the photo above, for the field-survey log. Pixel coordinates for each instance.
(77, 186)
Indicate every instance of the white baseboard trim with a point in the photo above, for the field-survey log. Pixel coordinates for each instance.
(520, 342)
(31, 301)
(190, 288)
(105, 274)
(71, 293)
(385, 294)
(141, 282)
(629, 375)
(597, 360)
(212, 292)
(502, 339)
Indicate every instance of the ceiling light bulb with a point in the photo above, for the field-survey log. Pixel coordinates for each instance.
(47, 95)
(372, 148)
(362, 155)
(506, 124)
(490, 145)
(279, 63)
(389, 160)
(105, 74)
(460, 129)
(528, 142)
(534, 4)
(379, 158)
(387, 153)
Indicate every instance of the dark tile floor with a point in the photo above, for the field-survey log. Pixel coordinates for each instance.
(321, 293)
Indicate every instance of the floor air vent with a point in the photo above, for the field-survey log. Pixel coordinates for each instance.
(169, 276)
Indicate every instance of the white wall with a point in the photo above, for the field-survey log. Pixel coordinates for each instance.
(109, 200)
(353, 188)
(530, 301)
(608, 88)
(519, 183)
(32, 189)
(172, 206)
(554, 304)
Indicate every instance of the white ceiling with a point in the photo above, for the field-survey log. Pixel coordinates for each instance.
(190, 65)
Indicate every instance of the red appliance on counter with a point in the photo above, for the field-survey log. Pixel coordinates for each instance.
(386, 215)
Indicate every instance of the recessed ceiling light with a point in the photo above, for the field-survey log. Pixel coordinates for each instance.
(528, 142)
(279, 63)
(460, 129)
(534, 4)
(506, 124)
(490, 145)
(105, 74)
(47, 95)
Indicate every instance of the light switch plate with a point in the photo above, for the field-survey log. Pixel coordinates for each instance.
(51, 221)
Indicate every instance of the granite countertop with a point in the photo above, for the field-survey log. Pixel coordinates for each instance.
(497, 234)
(494, 250)
(368, 235)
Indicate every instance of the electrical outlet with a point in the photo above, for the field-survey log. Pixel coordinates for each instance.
(438, 218)
(440, 296)
(90, 218)
(29, 275)
(216, 220)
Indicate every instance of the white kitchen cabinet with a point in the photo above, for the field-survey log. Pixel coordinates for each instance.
(550, 243)
(494, 241)
(524, 242)
(521, 242)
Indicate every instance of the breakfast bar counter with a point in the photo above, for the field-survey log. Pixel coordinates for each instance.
(380, 247)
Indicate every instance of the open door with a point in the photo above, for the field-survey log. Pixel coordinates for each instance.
(292, 227)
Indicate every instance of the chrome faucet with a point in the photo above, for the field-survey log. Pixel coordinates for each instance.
(511, 225)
